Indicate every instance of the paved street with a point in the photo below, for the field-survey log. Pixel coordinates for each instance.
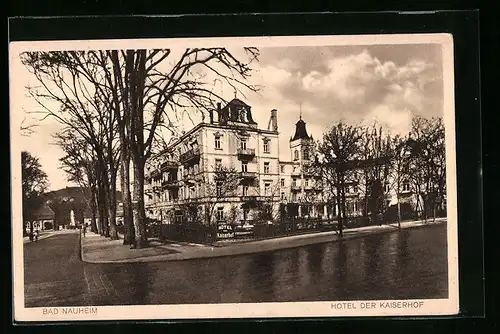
(410, 263)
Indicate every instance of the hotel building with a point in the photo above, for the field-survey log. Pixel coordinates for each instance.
(231, 138)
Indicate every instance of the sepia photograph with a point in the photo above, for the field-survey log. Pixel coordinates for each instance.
(253, 177)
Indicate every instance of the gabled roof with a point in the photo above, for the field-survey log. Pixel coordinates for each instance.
(43, 212)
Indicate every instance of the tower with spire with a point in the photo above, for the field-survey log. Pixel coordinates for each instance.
(301, 144)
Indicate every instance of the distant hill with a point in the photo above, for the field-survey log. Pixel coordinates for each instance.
(75, 192)
(57, 201)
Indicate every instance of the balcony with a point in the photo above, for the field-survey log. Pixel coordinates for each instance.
(248, 175)
(189, 178)
(170, 183)
(295, 187)
(169, 165)
(248, 198)
(191, 155)
(246, 154)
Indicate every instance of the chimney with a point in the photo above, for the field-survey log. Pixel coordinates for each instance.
(218, 112)
(273, 121)
(211, 114)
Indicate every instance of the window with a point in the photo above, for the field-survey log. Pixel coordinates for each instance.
(244, 167)
(306, 182)
(217, 143)
(347, 189)
(266, 146)
(243, 144)
(266, 168)
(245, 190)
(282, 168)
(218, 163)
(245, 213)
(294, 182)
(218, 189)
(282, 182)
(294, 197)
(220, 214)
(267, 189)
(305, 154)
(283, 196)
(294, 169)
(296, 155)
(387, 187)
(406, 186)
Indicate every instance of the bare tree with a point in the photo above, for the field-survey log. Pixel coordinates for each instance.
(219, 189)
(338, 157)
(81, 166)
(373, 175)
(428, 167)
(68, 79)
(267, 206)
(34, 183)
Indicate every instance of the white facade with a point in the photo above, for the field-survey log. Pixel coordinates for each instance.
(232, 139)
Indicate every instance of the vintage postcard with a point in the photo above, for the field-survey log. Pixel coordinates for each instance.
(253, 177)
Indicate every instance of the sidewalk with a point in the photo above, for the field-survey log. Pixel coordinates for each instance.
(48, 234)
(99, 249)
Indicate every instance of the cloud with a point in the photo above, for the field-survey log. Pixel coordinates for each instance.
(361, 84)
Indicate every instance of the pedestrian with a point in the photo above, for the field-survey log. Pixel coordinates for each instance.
(36, 235)
(84, 229)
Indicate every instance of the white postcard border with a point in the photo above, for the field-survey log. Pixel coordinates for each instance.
(447, 306)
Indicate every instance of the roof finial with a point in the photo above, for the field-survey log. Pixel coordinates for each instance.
(300, 110)
(235, 93)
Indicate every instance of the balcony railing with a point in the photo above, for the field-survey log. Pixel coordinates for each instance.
(248, 198)
(189, 178)
(246, 153)
(248, 175)
(190, 155)
(295, 187)
(169, 165)
(170, 183)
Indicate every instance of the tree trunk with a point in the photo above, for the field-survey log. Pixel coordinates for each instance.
(399, 211)
(101, 204)
(139, 214)
(93, 209)
(129, 236)
(113, 234)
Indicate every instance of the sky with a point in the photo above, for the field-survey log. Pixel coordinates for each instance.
(358, 84)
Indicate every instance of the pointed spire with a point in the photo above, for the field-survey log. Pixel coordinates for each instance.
(300, 110)
(300, 129)
(235, 93)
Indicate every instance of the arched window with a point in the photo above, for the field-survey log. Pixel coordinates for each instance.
(296, 155)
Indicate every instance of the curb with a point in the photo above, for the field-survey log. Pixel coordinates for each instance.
(329, 238)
